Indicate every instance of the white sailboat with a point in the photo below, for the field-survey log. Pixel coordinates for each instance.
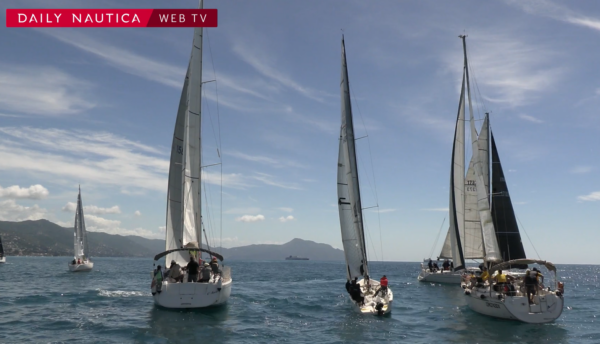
(2, 256)
(377, 299)
(508, 300)
(81, 260)
(184, 221)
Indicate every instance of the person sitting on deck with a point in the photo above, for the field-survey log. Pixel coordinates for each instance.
(484, 277)
(383, 287)
(500, 279)
(175, 272)
(205, 274)
(356, 293)
(446, 264)
(435, 267)
(430, 265)
(192, 269)
(74, 261)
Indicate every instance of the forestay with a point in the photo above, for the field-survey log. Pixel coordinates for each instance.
(350, 208)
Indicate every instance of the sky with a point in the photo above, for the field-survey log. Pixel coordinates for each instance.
(97, 108)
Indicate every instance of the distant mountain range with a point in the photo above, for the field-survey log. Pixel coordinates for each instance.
(45, 238)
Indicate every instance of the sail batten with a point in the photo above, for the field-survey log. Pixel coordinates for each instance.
(350, 208)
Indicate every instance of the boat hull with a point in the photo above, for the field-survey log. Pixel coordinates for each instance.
(192, 295)
(3, 260)
(371, 302)
(81, 267)
(547, 308)
(449, 277)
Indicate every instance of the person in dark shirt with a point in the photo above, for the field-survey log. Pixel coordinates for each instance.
(356, 293)
(214, 265)
(192, 269)
(430, 265)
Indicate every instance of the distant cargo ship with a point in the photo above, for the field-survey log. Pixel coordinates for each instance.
(295, 258)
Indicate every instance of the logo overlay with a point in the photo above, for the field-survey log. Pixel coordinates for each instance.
(111, 17)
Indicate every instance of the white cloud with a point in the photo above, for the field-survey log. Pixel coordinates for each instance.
(37, 90)
(286, 219)
(250, 218)
(530, 118)
(91, 209)
(265, 160)
(162, 228)
(137, 213)
(581, 169)
(11, 211)
(99, 224)
(594, 196)
(287, 210)
(242, 210)
(33, 192)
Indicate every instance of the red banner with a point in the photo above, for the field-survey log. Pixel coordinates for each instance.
(111, 17)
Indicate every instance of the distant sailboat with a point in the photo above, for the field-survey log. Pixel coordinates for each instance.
(351, 218)
(508, 298)
(81, 260)
(184, 220)
(2, 256)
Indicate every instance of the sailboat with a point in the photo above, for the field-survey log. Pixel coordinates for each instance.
(81, 260)
(377, 298)
(2, 256)
(184, 220)
(508, 300)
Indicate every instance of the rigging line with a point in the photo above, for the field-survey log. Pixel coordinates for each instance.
(528, 238)
(477, 88)
(437, 237)
(370, 239)
(352, 93)
(220, 150)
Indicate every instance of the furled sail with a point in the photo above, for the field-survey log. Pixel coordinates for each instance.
(505, 222)
(183, 196)
(350, 208)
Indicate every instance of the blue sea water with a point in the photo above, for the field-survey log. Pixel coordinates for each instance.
(271, 302)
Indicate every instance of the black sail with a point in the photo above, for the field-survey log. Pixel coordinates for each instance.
(503, 214)
(1, 249)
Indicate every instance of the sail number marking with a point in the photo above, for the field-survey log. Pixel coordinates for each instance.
(492, 305)
(180, 150)
(470, 185)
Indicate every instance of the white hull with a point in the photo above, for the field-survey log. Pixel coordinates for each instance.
(3, 260)
(81, 267)
(370, 302)
(193, 295)
(451, 277)
(547, 308)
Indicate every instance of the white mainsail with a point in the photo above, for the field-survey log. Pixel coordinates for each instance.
(491, 249)
(183, 196)
(350, 208)
(80, 235)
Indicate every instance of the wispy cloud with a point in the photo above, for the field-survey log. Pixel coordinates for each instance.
(250, 218)
(92, 209)
(509, 69)
(241, 210)
(287, 210)
(435, 209)
(273, 162)
(44, 91)
(286, 218)
(581, 169)
(594, 196)
(555, 11)
(270, 180)
(382, 211)
(137, 213)
(11, 211)
(262, 62)
(100, 224)
(33, 192)
(530, 118)
(122, 59)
